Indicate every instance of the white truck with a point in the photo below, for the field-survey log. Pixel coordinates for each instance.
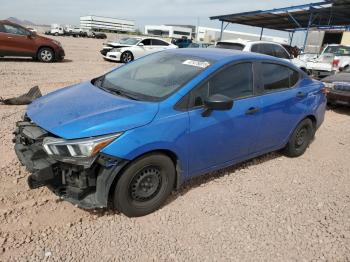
(57, 29)
(333, 58)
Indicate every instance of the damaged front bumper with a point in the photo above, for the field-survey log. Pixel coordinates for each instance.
(86, 187)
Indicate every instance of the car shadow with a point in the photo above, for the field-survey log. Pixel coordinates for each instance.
(200, 181)
(228, 171)
(28, 60)
(340, 109)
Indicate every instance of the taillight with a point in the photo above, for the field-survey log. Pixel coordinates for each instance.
(335, 63)
(325, 90)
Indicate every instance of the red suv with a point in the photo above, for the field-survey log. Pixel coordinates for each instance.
(16, 40)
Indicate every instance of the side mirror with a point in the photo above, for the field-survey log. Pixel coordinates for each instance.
(141, 44)
(217, 102)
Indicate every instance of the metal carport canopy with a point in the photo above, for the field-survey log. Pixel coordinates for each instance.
(326, 14)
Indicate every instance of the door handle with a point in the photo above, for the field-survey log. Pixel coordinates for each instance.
(9, 37)
(252, 111)
(301, 94)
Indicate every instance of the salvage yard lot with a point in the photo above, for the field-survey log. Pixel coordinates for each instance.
(270, 208)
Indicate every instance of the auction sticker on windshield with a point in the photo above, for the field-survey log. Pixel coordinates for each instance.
(201, 64)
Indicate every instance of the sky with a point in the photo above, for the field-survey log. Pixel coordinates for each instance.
(142, 12)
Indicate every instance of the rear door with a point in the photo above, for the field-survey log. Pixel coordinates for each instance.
(284, 101)
(16, 41)
(223, 136)
(159, 45)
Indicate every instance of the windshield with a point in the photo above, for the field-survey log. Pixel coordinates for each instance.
(338, 50)
(129, 41)
(227, 45)
(153, 77)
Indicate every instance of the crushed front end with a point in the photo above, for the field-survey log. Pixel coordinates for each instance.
(84, 184)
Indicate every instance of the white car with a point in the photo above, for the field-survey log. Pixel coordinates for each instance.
(334, 58)
(128, 49)
(262, 47)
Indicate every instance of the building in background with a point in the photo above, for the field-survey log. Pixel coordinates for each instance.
(205, 34)
(318, 39)
(211, 35)
(98, 23)
(168, 31)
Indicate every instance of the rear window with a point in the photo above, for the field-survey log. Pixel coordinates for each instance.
(338, 50)
(277, 77)
(226, 45)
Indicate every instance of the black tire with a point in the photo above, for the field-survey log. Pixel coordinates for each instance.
(55, 34)
(300, 139)
(145, 185)
(46, 55)
(126, 57)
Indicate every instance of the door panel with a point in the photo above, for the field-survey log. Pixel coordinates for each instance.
(282, 105)
(16, 41)
(223, 136)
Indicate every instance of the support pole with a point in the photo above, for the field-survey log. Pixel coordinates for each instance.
(261, 33)
(222, 29)
(307, 31)
(291, 38)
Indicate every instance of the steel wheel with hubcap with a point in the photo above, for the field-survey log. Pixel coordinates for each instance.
(46, 55)
(145, 185)
(300, 138)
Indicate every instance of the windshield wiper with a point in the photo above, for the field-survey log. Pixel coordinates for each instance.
(119, 92)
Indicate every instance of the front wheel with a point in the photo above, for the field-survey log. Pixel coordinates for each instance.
(46, 55)
(126, 57)
(145, 185)
(300, 139)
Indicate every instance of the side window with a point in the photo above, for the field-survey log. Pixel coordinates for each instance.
(146, 42)
(234, 82)
(256, 48)
(280, 52)
(159, 42)
(277, 77)
(267, 49)
(11, 29)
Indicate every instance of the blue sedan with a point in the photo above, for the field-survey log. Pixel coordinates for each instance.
(133, 135)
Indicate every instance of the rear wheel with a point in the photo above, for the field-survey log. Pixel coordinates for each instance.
(144, 185)
(300, 139)
(126, 57)
(46, 55)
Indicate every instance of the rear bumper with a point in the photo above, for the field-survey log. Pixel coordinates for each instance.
(85, 187)
(342, 97)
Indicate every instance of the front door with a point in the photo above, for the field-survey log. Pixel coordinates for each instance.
(17, 41)
(223, 136)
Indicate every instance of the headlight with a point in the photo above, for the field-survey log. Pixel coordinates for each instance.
(116, 50)
(329, 85)
(79, 151)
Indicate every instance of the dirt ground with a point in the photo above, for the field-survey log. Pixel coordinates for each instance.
(272, 208)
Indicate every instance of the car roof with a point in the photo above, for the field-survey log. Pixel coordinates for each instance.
(217, 54)
(244, 42)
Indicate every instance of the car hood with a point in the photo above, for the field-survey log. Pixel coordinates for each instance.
(117, 45)
(84, 110)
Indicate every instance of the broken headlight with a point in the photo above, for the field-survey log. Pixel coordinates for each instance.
(328, 85)
(78, 151)
(118, 50)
